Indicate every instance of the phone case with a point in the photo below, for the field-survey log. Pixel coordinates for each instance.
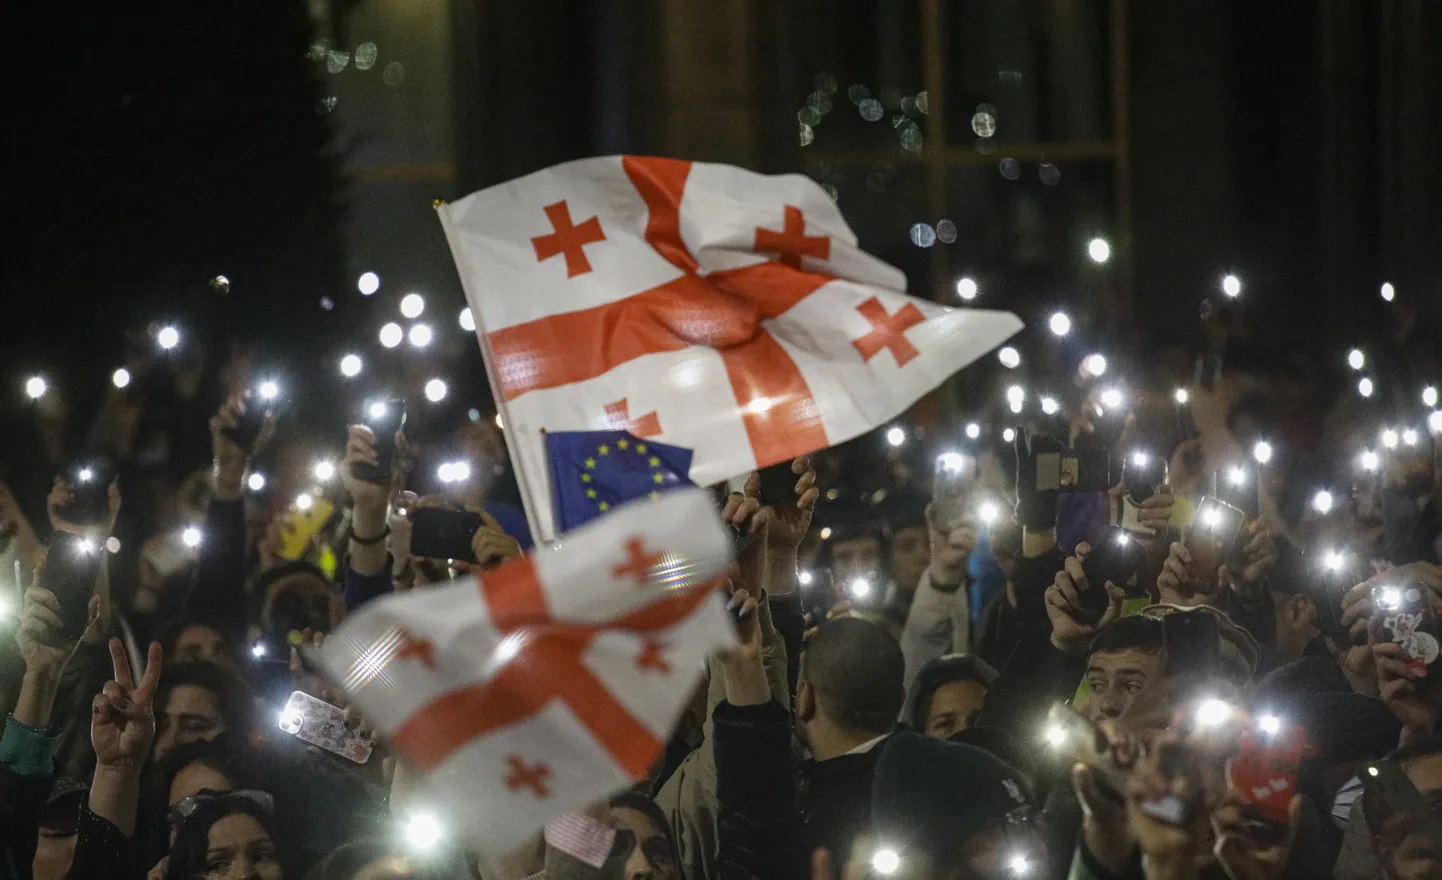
(1412, 626)
(1264, 772)
(301, 525)
(321, 724)
(1085, 743)
(1210, 546)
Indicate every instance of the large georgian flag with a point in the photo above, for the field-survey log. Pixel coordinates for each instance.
(555, 679)
(706, 306)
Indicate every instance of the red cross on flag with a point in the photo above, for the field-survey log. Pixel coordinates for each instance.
(728, 312)
(555, 679)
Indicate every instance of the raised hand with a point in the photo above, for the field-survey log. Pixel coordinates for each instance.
(369, 497)
(122, 715)
(1260, 555)
(490, 544)
(950, 548)
(62, 496)
(41, 636)
(1242, 853)
(1064, 602)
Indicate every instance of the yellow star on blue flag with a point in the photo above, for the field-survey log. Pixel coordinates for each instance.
(595, 471)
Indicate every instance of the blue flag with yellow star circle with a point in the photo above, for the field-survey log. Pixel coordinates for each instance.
(593, 472)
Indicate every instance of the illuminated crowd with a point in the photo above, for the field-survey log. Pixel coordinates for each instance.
(1118, 620)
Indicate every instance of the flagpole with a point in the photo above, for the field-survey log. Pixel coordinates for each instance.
(507, 426)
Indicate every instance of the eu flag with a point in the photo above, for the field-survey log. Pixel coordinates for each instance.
(595, 471)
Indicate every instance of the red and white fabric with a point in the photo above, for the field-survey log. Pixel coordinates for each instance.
(553, 680)
(713, 308)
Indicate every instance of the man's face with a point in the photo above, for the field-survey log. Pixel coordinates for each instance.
(952, 707)
(652, 858)
(910, 555)
(1406, 851)
(1123, 684)
(853, 558)
(190, 714)
(199, 642)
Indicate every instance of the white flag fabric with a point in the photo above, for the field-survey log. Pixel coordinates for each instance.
(553, 680)
(709, 307)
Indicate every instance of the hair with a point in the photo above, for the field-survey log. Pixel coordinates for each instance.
(346, 860)
(172, 633)
(1133, 633)
(635, 800)
(232, 694)
(858, 672)
(938, 673)
(224, 754)
(192, 842)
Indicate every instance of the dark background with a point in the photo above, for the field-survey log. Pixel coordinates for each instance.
(149, 147)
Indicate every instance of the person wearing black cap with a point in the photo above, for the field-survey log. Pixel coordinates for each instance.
(855, 548)
(57, 820)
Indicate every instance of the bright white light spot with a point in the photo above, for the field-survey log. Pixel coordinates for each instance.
(860, 587)
(508, 648)
(988, 512)
(1356, 359)
(454, 472)
(190, 537)
(112, 544)
(1322, 501)
(268, 390)
(304, 501)
(258, 650)
(1391, 598)
(1123, 538)
(1099, 250)
(1371, 771)
(255, 481)
(1094, 364)
(1434, 422)
(1140, 458)
(973, 430)
(1055, 735)
(1390, 438)
(1212, 518)
(895, 436)
(951, 462)
(350, 365)
(368, 283)
(1429, 396)
(412, 304)
(35, 387)
(1008, 435)
(423, 832)
(805, 578)
(1262, 452)
(1112, 398)
(966, 289)
(377, 410)
(435, 391)
(290, 720)
(168, 338)
(1009, 357)
(85, 475)
(1019, 865)
(826, 533)
(1015, 395)
(420, 335)
(1409, 437)
(1369, 460)
(392, 334)
(1232, 286)
(500, 423)
(1181, 395)
(1270, 724)
(1237, 474)
(85, 546)
(885, 861)
(120, 378)
(1049, 405)
(1364, 387)
(1334, 560)
(468, 321)
(1060, 324)
(323, 470)
(1388, 291)
(1212, 713)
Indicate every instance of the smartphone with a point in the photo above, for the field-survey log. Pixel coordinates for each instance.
(778, 484)
(321, 724)
(1385, 780)
(1171, 808)
(386, 419)
(1404, 617)
(301, 525)
(90, 483)
(249, 422)
(71, 566)
(1264, 772)
(1238, 486)
(1115, 557)
(818, 594)
(1212, 537)
(1077, 739)
(1070, 470)
(1144, 474)
(1332, 573)
(444, 533)
(1412, 466)
(1186, 422)
(950, 489)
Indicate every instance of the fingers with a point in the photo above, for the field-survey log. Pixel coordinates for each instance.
(154, 656)
(752, 487)
(1115, 596)
(1083, 550)
(1072, 581)
(733, 504)
(490, 521)
(120, 664)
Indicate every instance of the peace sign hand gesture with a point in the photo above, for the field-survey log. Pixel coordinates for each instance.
(122, 717)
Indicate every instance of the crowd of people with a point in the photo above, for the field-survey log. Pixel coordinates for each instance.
(1096, 644)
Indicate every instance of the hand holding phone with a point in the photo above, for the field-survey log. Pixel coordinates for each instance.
(72, 565)
(1211, 538)
(81, 497)
(248, 416)
(444, 533)
(1116, 558)
(951, 483)
(386, 419)
(1263, 772)
(1144, 474)
(1404, 617)
(321, 724)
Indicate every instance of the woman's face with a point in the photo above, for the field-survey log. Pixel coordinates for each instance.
(652, 856)
(239, 849)
(953, 705)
